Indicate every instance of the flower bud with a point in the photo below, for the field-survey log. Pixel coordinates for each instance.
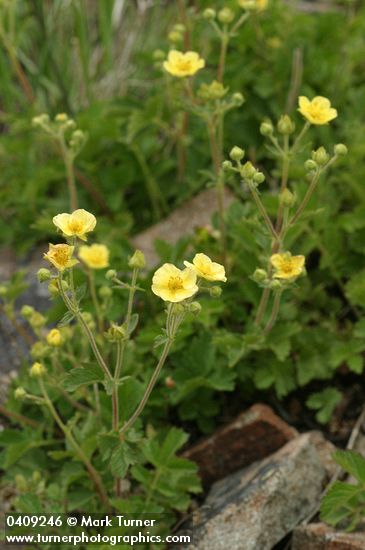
(138, 260)
(213, 91)
(287, 198)
(78, 139)
(285, 125)
(310, 165)
(321, 157)
(227, 165)
(27, 311)
(259, 178)
(3, 290)
(40, 120)
(37, 320)
(115, 333)
(275, 284)
(88, 318)
(54, 338)
(175, 37)
(37, 370)
(105, 292)
(340, 150)
(179, 27)
(110, 274)
(237, 153)
(159, 55)
(38, 350)
(61, 117)
(177, 309)
(43, 275)
(20, 393)
(225, 16)
(266, 128)
(194, 308)
(238, 99)
(215, 291)
(248, 171)
(209, 13)
(259, 275)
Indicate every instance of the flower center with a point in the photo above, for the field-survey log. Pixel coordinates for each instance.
(286, 266)
(184, 65)
(175, 283)
(61, 255)
(75, 226)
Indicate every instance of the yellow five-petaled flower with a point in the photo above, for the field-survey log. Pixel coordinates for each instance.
(205, 268)
(77, 224)
(95, 256)
(60, 255)
(183, 64)
(287, 266)
(318, 110)
(173, 284)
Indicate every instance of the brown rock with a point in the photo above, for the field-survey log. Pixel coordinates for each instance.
(319, 536)
(253, 435)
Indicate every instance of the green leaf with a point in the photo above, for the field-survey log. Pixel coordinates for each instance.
(66, 319)
(340, 502)
(356, 363)
(82, 376)
(352, 462)
(325, 403)
(132, 323)
(123, 456)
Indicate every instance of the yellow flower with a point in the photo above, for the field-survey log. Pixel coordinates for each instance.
(60, 255)
(258, 5)
(95, 256)
(317, 111)
(287, 266)
(54, 338)
(205, 268)
(173, 284)
(183, 64)
(76, 224)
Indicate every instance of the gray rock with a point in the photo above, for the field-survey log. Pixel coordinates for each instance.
(254, 508)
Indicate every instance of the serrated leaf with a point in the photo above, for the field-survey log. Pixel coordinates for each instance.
(352, 462)
(66, 319)
(324, 402)
(82, 376)
(339, 502)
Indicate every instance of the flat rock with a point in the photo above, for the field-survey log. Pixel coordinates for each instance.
(253, 435)
(256, 507)
(319, 536)
(194, 213)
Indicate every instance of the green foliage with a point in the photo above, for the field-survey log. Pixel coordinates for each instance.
(343, 504)
(324, 403)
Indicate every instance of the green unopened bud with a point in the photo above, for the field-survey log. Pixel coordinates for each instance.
(110, 274)
(37, 320)
(340, 150)
(177, 309)
(43, 275)
(259, 178)
(287, 198)
(175, 37)
(215, 291)
(27, 311)
(138, 260)
(225, 16)
(179, 27)
(105, 292)
(3, 290)
(37, 370)
(310, 165)
(159, 55)
(248, 171)
(259, 275)
(20, 394)
(195, 308)
(40, 120)
(213, 91)
(285, 125)
(227, 165)
(275, 284)
(209, 13)
(39, 350)
(266, 128)
(237, 153)
(115, 333)
(321, 157)
(88, 318)
(238, 99)
(78, 138)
